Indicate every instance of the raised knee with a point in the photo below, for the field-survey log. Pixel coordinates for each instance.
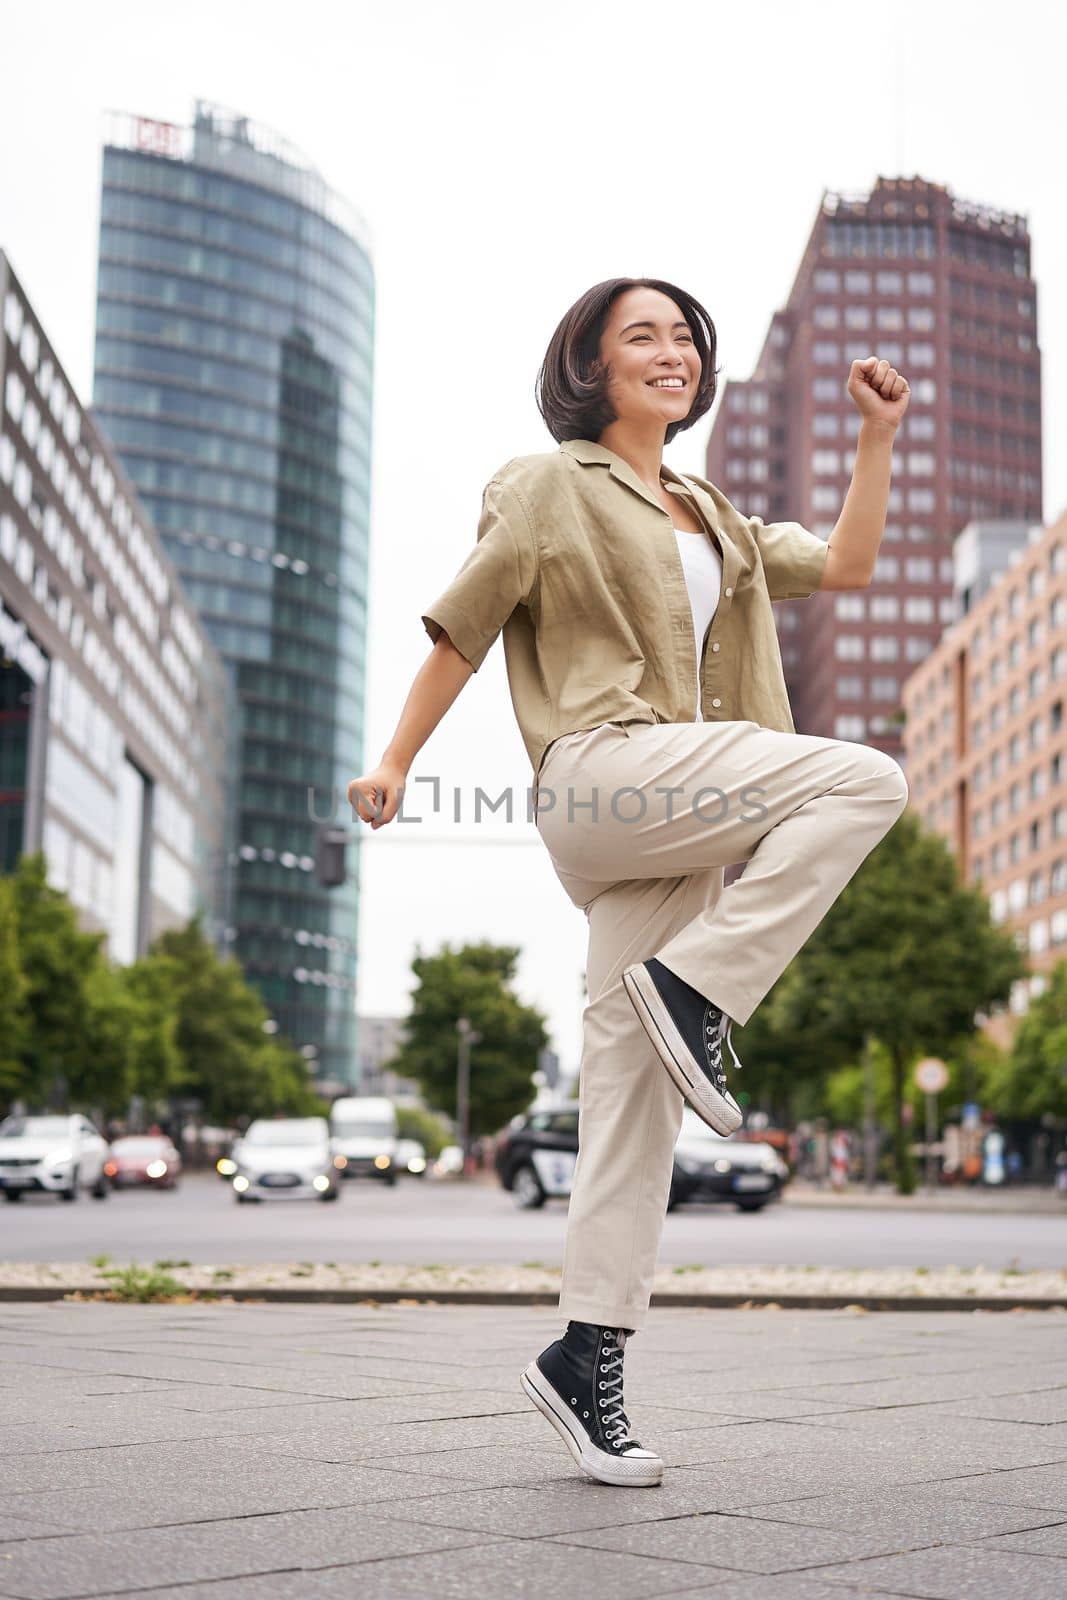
(896, 782)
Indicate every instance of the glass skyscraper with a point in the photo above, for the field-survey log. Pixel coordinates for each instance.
(233, 371)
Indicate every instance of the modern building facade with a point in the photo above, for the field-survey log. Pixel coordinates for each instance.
(942, 289)
(234, 349)
(985, 736)
(113, 703)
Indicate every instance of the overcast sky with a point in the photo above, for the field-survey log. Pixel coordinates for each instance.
(506, 158)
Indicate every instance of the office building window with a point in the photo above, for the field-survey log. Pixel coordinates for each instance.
(849, 607)
(849, 727)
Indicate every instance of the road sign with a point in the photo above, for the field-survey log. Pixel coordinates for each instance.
(931, 1075)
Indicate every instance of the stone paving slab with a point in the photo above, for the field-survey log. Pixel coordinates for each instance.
(249, 1452)
(956, 1572)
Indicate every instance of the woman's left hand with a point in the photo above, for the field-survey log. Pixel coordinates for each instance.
(878, 391)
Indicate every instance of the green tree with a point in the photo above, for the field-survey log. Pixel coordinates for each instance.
(58, 961)
(155, 1072)
(225, 1059)
(1031, 1079)
(413, 1122)
(13, 1015)
(474, 982)
(907, 953)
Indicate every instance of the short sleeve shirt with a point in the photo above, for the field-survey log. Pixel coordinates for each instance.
(576, 562)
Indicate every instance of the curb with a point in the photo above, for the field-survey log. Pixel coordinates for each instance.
(544, 1297)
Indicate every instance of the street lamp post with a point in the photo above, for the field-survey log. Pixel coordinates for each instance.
(466, 1036)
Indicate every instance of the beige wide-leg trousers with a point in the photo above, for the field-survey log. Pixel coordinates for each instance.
(640, 820)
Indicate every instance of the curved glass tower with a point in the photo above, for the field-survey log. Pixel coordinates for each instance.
(233, 371)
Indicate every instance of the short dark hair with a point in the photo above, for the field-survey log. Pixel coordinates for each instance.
(571, 388)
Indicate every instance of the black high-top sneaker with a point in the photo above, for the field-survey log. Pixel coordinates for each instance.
(688, 1032)
(577, 1384)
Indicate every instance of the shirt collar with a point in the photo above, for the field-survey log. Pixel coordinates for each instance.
(589, 453)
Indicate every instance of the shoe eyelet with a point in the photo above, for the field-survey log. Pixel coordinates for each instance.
(585, 1413)
(573, 1401)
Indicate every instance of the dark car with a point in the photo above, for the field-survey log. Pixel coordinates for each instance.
(708, 1166)
(535, 1158)
(535, 1161)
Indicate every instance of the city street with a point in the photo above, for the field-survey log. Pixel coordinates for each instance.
(307, 1453)
(420, 1222)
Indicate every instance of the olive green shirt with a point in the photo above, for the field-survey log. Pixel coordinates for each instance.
(577, 562)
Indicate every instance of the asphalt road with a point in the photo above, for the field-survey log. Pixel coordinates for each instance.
(421, 1221)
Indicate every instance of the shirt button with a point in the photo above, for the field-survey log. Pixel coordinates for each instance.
(715, 646)
(716, 702)
(729, 589)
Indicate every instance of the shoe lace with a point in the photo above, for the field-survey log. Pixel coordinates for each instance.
(724, 1033)
(615, 1421)
(717, 1026)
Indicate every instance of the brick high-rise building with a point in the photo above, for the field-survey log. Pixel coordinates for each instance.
(942, 289)
(986, 734)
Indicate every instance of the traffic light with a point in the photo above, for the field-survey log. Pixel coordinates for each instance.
(330, 844)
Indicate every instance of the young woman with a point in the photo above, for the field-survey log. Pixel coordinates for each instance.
(646, 678)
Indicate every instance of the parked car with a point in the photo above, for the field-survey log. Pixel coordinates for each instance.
(535, 1158)
(364, 1132)
(291, 1156)
(148, 1159)
(409, 1157)
(708, 1166)
(56, 1154)
(535, 1161)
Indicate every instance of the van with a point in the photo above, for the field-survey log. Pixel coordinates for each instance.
(364, 1130)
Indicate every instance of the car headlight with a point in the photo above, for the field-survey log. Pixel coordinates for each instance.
(381, 1162)
(722, 1165)
(769, 1161)
(156, 1169)
(226, 1166)
(689, 1167)
(58, 1158)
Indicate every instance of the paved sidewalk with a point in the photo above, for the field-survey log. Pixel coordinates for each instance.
(276, 1453)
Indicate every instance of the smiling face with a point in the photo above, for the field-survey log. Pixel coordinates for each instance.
(655, 366)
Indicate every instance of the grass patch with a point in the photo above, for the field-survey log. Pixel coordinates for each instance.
(138, 1285)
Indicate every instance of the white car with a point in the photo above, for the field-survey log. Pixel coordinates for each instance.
(292, 1156)
(54, 1154)
(409, 1156)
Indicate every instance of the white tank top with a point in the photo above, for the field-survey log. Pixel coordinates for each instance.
(703, 578)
